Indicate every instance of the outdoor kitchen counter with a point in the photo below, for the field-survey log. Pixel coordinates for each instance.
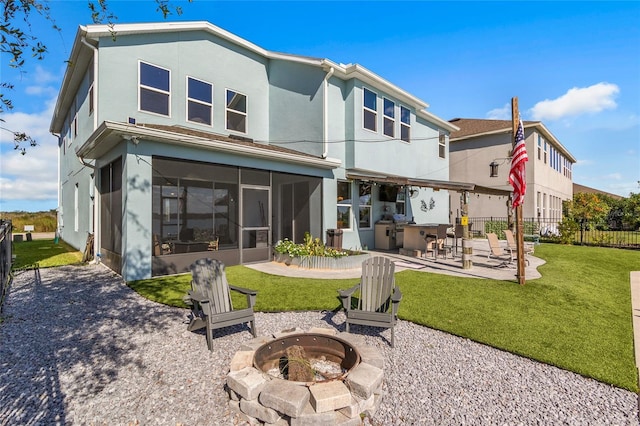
(414, 236)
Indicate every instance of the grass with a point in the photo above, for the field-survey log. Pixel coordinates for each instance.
(44, 252)
(577, 316)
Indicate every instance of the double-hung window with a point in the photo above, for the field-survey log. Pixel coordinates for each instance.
(389, 118)
(344, 205)
(236, 111)
(442, 145)
(369, 110)
(199, 101)
(364, 205)
(405, 124)
(155, 89)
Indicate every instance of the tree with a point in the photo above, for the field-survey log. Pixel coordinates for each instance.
(19, 41)
(631, 212)
(588, 207)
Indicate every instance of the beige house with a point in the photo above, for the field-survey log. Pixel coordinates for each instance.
(480, 153)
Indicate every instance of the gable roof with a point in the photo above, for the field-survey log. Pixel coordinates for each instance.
(473, 127)
(581, 188)
(87, 37)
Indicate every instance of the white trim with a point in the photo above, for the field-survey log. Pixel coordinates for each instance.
(188, 99)
(227, 109)
(387, 117)
(153, 89)
(365, 108)
(403, 124)
(111, 133)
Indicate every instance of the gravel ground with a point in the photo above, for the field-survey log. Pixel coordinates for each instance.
(79, 347)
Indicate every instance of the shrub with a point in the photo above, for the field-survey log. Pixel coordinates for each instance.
(310, 247)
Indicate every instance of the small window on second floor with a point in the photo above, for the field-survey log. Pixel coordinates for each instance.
(370, 110)
(405, 124)
(236, 111)
(442, 145)
(199, 101)
(389, 114)
(155, 89)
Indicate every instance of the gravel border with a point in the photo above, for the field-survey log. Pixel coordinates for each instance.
(77, 346)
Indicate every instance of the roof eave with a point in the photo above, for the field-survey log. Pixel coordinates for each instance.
(110, 133)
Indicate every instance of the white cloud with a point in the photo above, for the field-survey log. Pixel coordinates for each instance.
(503, 113)
(577, 101)
(583, 163)
(613, 176)
(32, 176)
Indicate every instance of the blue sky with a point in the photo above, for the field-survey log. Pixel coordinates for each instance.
(575, 66)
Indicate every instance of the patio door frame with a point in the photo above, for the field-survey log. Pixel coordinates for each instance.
(254, 238)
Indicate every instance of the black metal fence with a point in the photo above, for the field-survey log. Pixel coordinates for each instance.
(6, 259)
(584, 233)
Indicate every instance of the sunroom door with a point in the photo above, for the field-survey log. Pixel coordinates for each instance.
(256, 223)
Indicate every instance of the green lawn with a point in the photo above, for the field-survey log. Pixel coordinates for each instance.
(44, 252)
(577, 316)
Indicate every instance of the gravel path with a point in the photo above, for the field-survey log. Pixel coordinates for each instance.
(79, 347)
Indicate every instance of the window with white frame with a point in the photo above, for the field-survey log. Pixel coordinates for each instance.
(389, 118)
(236, 111)
(405, 124)
(364, 205)
(155, 89)
(199, 101)
(344, 205)
(442, 145)
(369, 110)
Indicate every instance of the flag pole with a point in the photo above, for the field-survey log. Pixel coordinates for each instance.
(515, 119)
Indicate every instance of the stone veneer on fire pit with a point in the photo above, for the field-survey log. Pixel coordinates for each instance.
(264, 399)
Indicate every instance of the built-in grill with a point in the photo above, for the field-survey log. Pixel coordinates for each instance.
(389, 234)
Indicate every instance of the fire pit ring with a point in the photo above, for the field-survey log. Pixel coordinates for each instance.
(317, 346)
(258, 394)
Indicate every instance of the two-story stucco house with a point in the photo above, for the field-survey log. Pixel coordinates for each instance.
(182, 140)
(480, 153)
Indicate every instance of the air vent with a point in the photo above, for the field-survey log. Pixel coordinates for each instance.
(132, 120)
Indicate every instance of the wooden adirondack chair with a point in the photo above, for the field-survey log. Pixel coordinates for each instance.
(210, 300)
(378, 297)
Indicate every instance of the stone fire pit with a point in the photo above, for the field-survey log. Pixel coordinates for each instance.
(345, 383)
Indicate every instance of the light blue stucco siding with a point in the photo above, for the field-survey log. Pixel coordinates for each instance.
(137, 216)
(296, 106)
(192, 54)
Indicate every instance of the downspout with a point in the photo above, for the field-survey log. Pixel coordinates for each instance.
(94, 205)
(95, 81)
(325, 113)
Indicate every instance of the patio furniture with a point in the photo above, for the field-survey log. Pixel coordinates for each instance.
(441, 244)
(210, 300)
(496, 250)
(378, 298)
(511, 243)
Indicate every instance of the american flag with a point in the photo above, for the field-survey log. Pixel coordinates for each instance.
(517, 174)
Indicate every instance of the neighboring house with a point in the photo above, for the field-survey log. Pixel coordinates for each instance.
(581, 188)
(182, 140)
(480, 153)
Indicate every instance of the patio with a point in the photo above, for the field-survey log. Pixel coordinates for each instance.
(482, 267)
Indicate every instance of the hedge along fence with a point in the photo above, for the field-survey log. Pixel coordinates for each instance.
(498, 227)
